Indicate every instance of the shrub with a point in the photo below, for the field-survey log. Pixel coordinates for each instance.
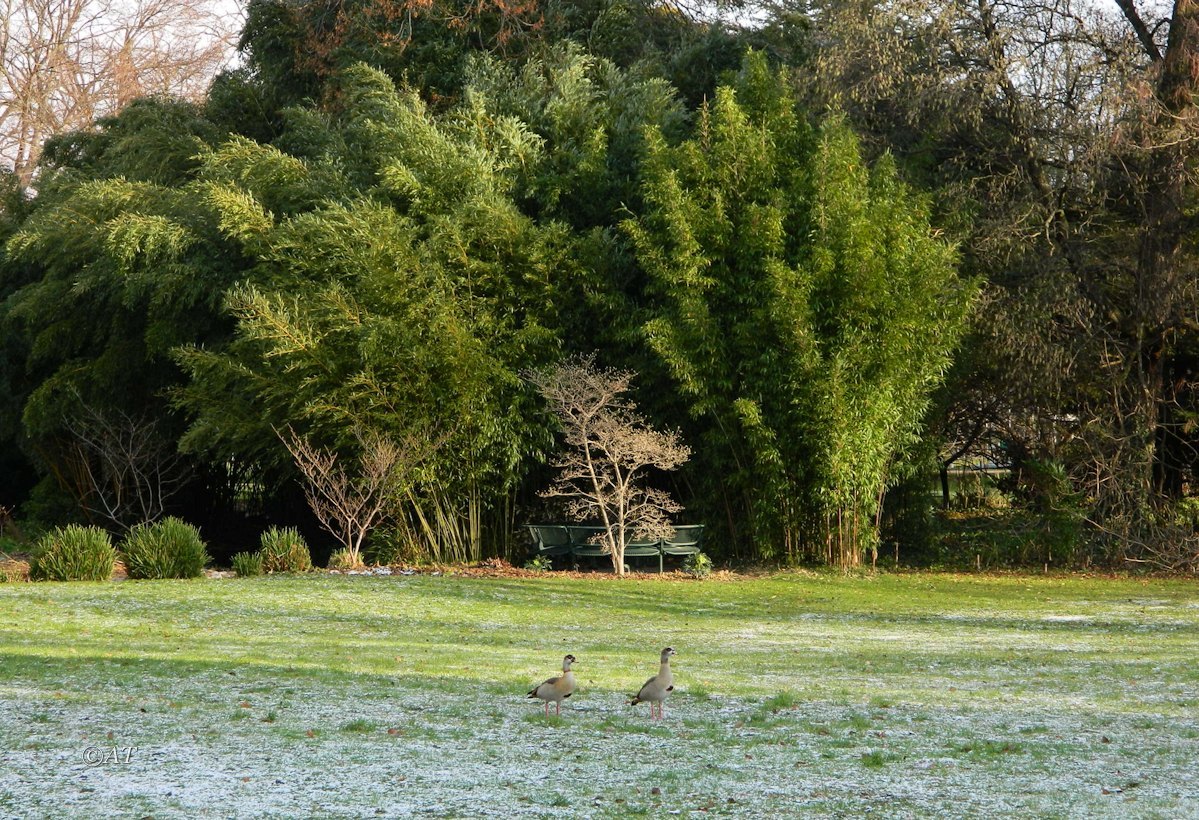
(697, 565)
(344, 559)
(284, 550)
(246, 564)
(73, 553)
(169, 548)
(539, 563)
(392, 546)
(1185, 513)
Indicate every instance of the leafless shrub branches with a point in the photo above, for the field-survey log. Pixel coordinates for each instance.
(351, 498)
(127, 468)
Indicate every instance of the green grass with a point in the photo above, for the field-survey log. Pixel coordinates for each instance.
(873, 759)
(358, 725)
(908, 695)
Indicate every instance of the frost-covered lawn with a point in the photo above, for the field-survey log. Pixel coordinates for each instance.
(919, 695)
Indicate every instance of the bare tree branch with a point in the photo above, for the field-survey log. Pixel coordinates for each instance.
(350, 501)
(128, 469)
(611, 447)
(63, 63)
(1144, 35)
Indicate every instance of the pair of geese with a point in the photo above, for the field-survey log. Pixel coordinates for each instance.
(559, 688)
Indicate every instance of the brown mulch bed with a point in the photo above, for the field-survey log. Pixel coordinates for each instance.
(15, 568)
(499, 568)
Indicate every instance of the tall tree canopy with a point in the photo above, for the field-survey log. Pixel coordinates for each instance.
(397, 289)
(367, 261)
(113, 267)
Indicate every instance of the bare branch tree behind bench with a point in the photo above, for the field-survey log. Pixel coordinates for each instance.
(611, 448)
(351, 501)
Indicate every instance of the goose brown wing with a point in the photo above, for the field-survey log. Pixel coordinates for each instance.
(533, 693)
(645, 686)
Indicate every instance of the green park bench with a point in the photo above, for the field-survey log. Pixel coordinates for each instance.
(581, 544)
(688, 539)
(554, 540)
(550, 540)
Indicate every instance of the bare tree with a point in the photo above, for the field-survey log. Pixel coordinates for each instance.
(611, 448)
(351, 501)
(63, 63)
(125, 468)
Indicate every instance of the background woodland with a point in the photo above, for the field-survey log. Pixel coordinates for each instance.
(847, 250)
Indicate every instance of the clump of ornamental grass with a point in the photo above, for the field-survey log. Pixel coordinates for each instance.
(284, 550)
(73, 553)
(170, 548)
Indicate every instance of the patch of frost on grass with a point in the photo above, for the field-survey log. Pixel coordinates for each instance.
(976, 717)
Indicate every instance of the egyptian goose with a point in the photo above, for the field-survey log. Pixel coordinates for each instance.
(658, 687)
(556, 689)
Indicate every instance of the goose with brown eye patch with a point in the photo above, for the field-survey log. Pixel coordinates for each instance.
(658, 687)
(556, 689)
